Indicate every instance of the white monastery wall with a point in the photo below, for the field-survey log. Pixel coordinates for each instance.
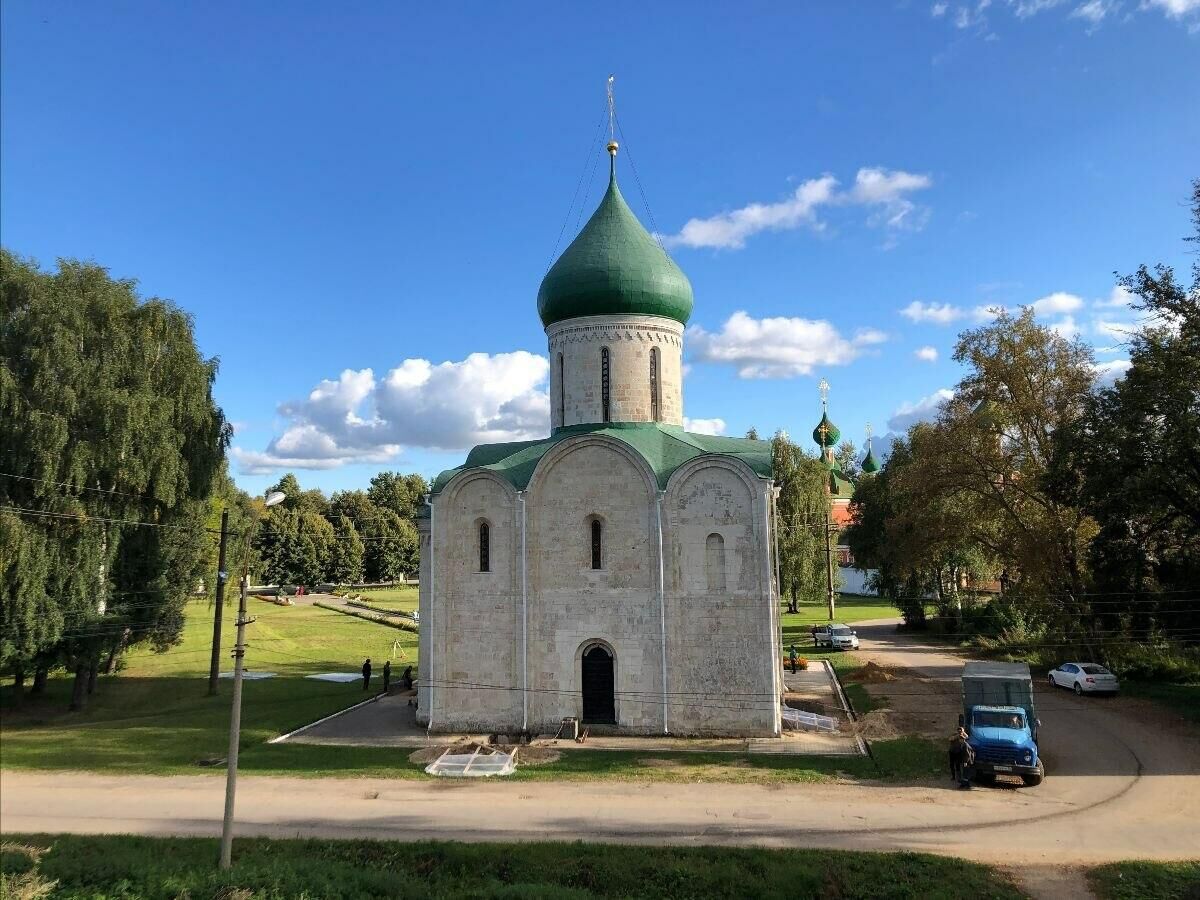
(723, 644)
(629, 340)
(571, 604)
(476, 622)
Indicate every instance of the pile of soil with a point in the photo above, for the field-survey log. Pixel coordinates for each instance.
(871, 674)
(876, 726)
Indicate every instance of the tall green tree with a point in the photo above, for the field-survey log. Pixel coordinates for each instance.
(848, 460)
(802, 507)
(297, 546)
(112, 443)
(402, 494)
(1135, 455)
(347, 554)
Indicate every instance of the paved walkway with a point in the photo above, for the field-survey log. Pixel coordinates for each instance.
(390, 721)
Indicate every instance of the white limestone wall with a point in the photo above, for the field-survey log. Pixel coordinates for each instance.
(575, 384)
(722, 630)
(723, 644)
(571, 604)
(474, 634)
(425, 652)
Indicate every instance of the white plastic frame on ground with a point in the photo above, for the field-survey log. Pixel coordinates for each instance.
(472, 765)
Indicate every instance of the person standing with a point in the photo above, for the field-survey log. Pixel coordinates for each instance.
(792, 658)
(366, 670)
(407, 678)
(387, 674)
(962, 755)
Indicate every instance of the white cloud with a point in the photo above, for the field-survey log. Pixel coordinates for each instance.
(1056, 303)
(923, 410)
(1026, 8)
(1066, 327)
(1176, 9)
(926, 354)
(968, 16)
(883, 192)
(1094, 11)
(1118, 298)
(447, 406)
(1109, 372)
(704, 426)
(866, 337)
(1116, 331)
(938, 10)
(988, 312)
(942, 314)
(778, 347)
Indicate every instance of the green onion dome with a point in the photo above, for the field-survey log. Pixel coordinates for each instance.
(614, 267)
(870, 464)
(826, 434)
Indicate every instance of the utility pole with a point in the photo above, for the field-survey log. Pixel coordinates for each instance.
(235, 730)
(829, 529)
(214, 668)
(235, 716)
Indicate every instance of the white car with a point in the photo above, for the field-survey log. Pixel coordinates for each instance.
(837, 637)
(1084, 678)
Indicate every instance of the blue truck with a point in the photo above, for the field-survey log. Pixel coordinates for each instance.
(1001, 721)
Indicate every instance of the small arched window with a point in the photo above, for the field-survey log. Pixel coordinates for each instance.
(597, 544)
(714, 562)
(562, 393)
(655, 398)
(485, 547)
(604, 405)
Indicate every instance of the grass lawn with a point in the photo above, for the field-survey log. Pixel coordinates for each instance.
(137, 867)
(1146, 881)
(154, 716)
(404, 598)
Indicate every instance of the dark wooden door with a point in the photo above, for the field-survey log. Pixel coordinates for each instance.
(599, 706)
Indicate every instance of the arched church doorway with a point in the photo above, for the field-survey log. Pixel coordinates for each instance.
(599, 704)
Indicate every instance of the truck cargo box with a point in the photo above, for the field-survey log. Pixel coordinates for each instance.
(998, 684)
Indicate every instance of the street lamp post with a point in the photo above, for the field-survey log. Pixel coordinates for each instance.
(235, 717)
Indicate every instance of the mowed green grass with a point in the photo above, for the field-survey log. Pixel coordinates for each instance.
(155, 716)
(138, 867)
(403, 598)
(1142, 880)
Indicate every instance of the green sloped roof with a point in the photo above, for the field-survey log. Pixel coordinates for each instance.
(664, 447)
(839, 485)
(614, 267)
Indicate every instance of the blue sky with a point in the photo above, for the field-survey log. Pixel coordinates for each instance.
(336, 188)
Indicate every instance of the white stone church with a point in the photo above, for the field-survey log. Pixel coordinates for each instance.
(619, 570)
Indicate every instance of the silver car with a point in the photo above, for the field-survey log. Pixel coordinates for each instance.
(1084, 678)
(836, 636)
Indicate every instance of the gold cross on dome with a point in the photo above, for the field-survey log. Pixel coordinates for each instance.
(823, 387)
(868, 432)
(824, 429)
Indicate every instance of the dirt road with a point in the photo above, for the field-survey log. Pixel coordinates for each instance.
(1116, 788)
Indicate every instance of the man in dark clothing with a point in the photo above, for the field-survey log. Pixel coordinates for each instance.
(387, 674)
(407, 678)
(367, 674)
(962, 757)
